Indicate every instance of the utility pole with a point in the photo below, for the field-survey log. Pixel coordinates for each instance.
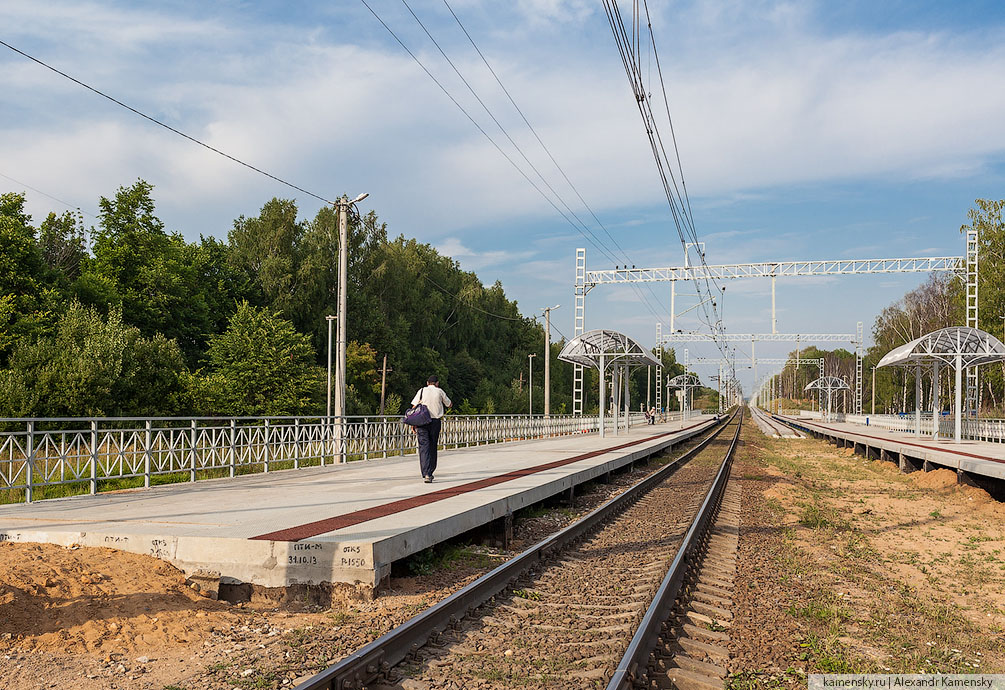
(530, 385)
(547, 360)
(383, 383)
(328, 407)
(874, 390)
(343, 280)
(343, 270)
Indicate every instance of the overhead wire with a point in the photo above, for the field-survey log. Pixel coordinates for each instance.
(167, 126)
(477, 126)
(580, 226)
(468, 304)
(50, 196)
(677, 197)
(544, 146)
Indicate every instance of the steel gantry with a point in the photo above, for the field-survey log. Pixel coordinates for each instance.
(965, 266)
(783, 269)
(856, 340)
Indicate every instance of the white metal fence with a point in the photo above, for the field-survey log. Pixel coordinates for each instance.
(990, 430)
(54, 457)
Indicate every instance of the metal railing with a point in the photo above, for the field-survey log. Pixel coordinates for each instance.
(56, 457)
(989, 430)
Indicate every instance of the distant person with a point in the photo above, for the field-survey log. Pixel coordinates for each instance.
(428, 435)
(652, 415)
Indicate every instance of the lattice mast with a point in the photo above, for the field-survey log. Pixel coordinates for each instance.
(578, 329)
(973, 389)
(658, 351)
(858, 367)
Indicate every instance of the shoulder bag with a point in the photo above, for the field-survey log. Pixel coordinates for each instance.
(418, 415)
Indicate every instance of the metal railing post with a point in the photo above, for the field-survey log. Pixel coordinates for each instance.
(233, 446)
(296, 444)
(94, 457)
(147, 450)
(266, 451)
(191, 461)
(29, 462)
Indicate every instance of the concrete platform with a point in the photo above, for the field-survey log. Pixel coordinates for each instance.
(336, 524)
(772, 427)
(973, 459)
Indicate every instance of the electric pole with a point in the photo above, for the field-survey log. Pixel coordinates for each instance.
(343, 280)
(328, 407)
(547, 360)
(383, 383)
(530, 384)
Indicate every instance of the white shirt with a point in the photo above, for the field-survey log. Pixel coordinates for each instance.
(434, 399)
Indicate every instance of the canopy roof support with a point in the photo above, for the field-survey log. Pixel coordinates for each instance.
(962, 348)
(601, 348)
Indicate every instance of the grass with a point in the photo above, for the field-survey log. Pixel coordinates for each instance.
(817, 516)
(764, 680)
(891, 626)
(528, 594)
(446, 556)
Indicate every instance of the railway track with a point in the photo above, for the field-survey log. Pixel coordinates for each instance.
(772, 427)
(584, 608)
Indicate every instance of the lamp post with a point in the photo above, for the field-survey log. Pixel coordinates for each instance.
(530, 385)
(874, 390)
(547, 360)
(343, 278)
(328, 407)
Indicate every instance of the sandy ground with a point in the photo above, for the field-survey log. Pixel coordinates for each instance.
(848, 565)
(95, 619)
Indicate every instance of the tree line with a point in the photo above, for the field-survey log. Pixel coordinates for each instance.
(128, 318)
(939, 302)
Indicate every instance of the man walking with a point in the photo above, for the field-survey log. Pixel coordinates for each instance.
(428, 435)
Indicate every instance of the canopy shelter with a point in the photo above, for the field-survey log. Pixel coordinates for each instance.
(602, 349)
(960, 347)
(687, 382)
(828, 385)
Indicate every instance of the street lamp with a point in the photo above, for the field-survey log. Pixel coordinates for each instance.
(547, 359)
(343, 278)
(874, 389)
(328, 407)
(530, 385)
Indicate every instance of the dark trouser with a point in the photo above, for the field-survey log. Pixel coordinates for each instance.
(428, 436)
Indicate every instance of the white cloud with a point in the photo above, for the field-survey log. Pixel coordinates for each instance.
(472, 260)
(764, 100)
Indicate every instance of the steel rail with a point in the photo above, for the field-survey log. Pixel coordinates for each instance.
(636, 657)
(365, 665)
(768, 419)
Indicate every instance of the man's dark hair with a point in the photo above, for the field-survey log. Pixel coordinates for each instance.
(433, 379)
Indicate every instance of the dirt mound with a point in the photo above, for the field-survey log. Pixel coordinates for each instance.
(936, 479)
(91, 600)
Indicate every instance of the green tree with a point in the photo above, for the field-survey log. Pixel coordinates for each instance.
(29, 305)
(94, 366)
(61, 241)
(163, 283)
(260, 365)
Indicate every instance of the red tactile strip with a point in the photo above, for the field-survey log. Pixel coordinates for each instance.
(312, 529)
(937, 449)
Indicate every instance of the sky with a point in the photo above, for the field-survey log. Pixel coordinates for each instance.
(805, 130)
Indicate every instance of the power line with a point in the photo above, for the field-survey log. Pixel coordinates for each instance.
(468, 304)
(166, 126)
(50, 196)
(540, 141)
(474, 122)
(677, 200)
